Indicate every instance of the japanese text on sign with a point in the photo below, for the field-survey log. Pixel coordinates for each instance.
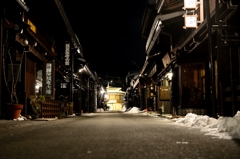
(67, 54)
(48, 78)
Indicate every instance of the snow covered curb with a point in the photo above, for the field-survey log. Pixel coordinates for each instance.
(222, 128)
(136, 110)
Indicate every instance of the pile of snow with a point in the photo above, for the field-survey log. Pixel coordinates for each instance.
(88, 114)
(20, 118)
(72, 115)
(123, 109)
(222, 128)
(133, 110)
(100, 110)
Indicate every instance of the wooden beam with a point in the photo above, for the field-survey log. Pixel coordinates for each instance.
(38, 41)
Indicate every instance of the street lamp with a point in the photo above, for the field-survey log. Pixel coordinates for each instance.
(169, 76)
(80, 70)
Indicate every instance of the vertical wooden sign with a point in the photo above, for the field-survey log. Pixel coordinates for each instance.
(49, 79)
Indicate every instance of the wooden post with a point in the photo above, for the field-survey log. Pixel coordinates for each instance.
(1, 44)
(211, 63)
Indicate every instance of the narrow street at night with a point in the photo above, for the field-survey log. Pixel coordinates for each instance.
(110, 135)
(134, 79)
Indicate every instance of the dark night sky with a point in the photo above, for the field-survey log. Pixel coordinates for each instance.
(110, 33)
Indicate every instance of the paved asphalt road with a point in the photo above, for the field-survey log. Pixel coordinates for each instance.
(111, 135)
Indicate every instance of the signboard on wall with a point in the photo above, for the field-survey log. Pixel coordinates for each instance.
(164, 93)
(67, 54)
(49, 79)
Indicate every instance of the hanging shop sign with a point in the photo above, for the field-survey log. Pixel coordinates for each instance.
(48, 79)
(67, 54)
(190, 21)
(190, 4)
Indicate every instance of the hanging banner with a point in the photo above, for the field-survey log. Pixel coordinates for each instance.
(49, 79)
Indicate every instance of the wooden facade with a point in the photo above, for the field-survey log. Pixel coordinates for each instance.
(33, 40)
(203, 61)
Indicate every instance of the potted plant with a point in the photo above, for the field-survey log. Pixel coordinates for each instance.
(36, 103)
(10, 48)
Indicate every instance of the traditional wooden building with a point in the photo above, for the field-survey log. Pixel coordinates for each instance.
(192, 57)
(115, 98)
(43, 43)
